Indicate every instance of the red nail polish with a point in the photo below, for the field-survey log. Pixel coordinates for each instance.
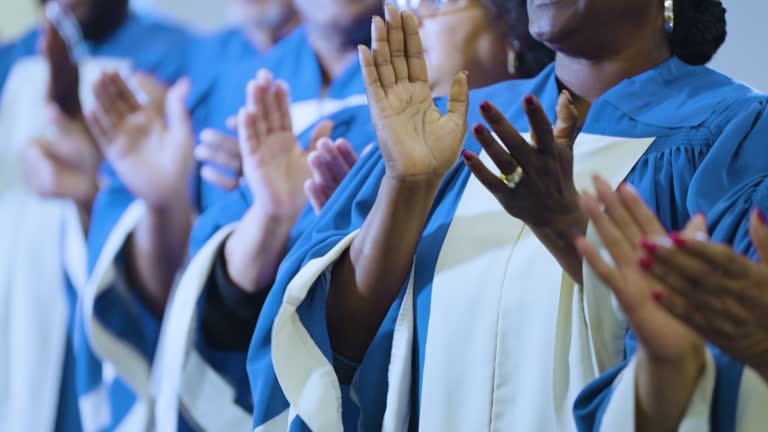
(761, 216)
(657, 296)
(478, 129)
(466, 155)
(486, 108)
(646, 262)
(649, 246)
(529, 101)
(677, 240)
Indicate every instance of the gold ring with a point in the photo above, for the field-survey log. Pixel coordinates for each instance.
(511, 180)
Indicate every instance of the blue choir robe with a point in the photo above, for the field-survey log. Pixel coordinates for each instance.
(729, 396)
(130, 332)
(43, 349)
(488, 325)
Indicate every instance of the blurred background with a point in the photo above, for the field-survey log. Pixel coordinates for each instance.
(743, 56)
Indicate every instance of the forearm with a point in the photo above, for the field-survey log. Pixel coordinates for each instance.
(256, 248)
(156, 251)
(664, 390)
(367, 278)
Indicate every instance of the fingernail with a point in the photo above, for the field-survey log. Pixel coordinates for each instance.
(466, 155)
(529, 101)
(478, 129)
(486, 108)
(677, 240)
(646, 262)
(657, 296)
(649, 246)
(761, 216)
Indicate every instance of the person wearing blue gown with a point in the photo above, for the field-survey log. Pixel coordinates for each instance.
(110, 31)
(228, 252)
(133, 257)
(418, 293)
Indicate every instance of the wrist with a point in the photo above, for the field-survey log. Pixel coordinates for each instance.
(687, 366)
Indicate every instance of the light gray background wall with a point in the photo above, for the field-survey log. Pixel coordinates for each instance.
(744, 56)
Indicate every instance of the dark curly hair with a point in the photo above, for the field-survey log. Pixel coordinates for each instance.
(699, 31)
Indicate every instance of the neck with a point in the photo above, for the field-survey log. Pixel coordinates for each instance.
(333, 51)
(264, 37)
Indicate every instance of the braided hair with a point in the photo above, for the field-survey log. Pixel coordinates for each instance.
(699, 30)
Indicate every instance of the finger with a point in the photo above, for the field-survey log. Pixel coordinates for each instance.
(283, 98)
(395, 34)
(518, 147)
(263, 107)
(336, 166)
(123, 95)
(322, 130)
(220, 142)
(758, 231)
(696, 228)
(251, 132)
(607, 273)
(204, 153)
(681, 309)
(483, 174)
(541, 128)
(319, 175)
(315, 195)
(567, 122)
(213, 176)
(176, 113)
(104, 109)
(373, 87)
(506, 163)
(324, 168)
(622, 252)
(616, 210)
(231, 122)
(458, 102)
(414, 52)
(345, 151)
(382, 57)
(717, 256)
(684, 270)
(643, 216)
(99, 132)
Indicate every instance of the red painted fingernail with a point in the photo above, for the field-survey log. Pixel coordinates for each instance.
(649, 246)
(646, 262)
(761, 216)
(677, 240)
(486, 108)
(466, 155)
(478, 129)
(529, 101)
(657, 296)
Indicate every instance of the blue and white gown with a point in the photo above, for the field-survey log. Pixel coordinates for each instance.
(40, 236)
(488, 326)
(127, 331)
(729, 397)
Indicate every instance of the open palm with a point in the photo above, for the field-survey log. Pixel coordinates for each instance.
(150, 150)
(415, 138)
(621, 228)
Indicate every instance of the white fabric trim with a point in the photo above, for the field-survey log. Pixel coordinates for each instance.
(307, 378)
(130, 364)
(752, 412)
(305, 113)
(180, 373)
(620, 413)
(278, 424)
(95, 412)
(495, 279)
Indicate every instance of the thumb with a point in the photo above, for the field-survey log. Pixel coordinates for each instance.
(458, 100)
(322, 130)
(176, 106)
(567, 122)
(696, 228)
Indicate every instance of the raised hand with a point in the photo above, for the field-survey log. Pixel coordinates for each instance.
(218, 148)
(64, 73)
(150, 150)
(670, 356)
(720, 294)
(274, 165)
(417, 142)
(329, 163)
(536, 185)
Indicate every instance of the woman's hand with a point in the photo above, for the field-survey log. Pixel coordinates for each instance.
(218, 148)
(670, 355)
(329, 163)
(720, 294)
(149, 148)
(417, 142)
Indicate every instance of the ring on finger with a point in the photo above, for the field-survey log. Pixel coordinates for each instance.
(512, 180)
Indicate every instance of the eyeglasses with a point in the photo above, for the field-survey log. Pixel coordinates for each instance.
(430, 8)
